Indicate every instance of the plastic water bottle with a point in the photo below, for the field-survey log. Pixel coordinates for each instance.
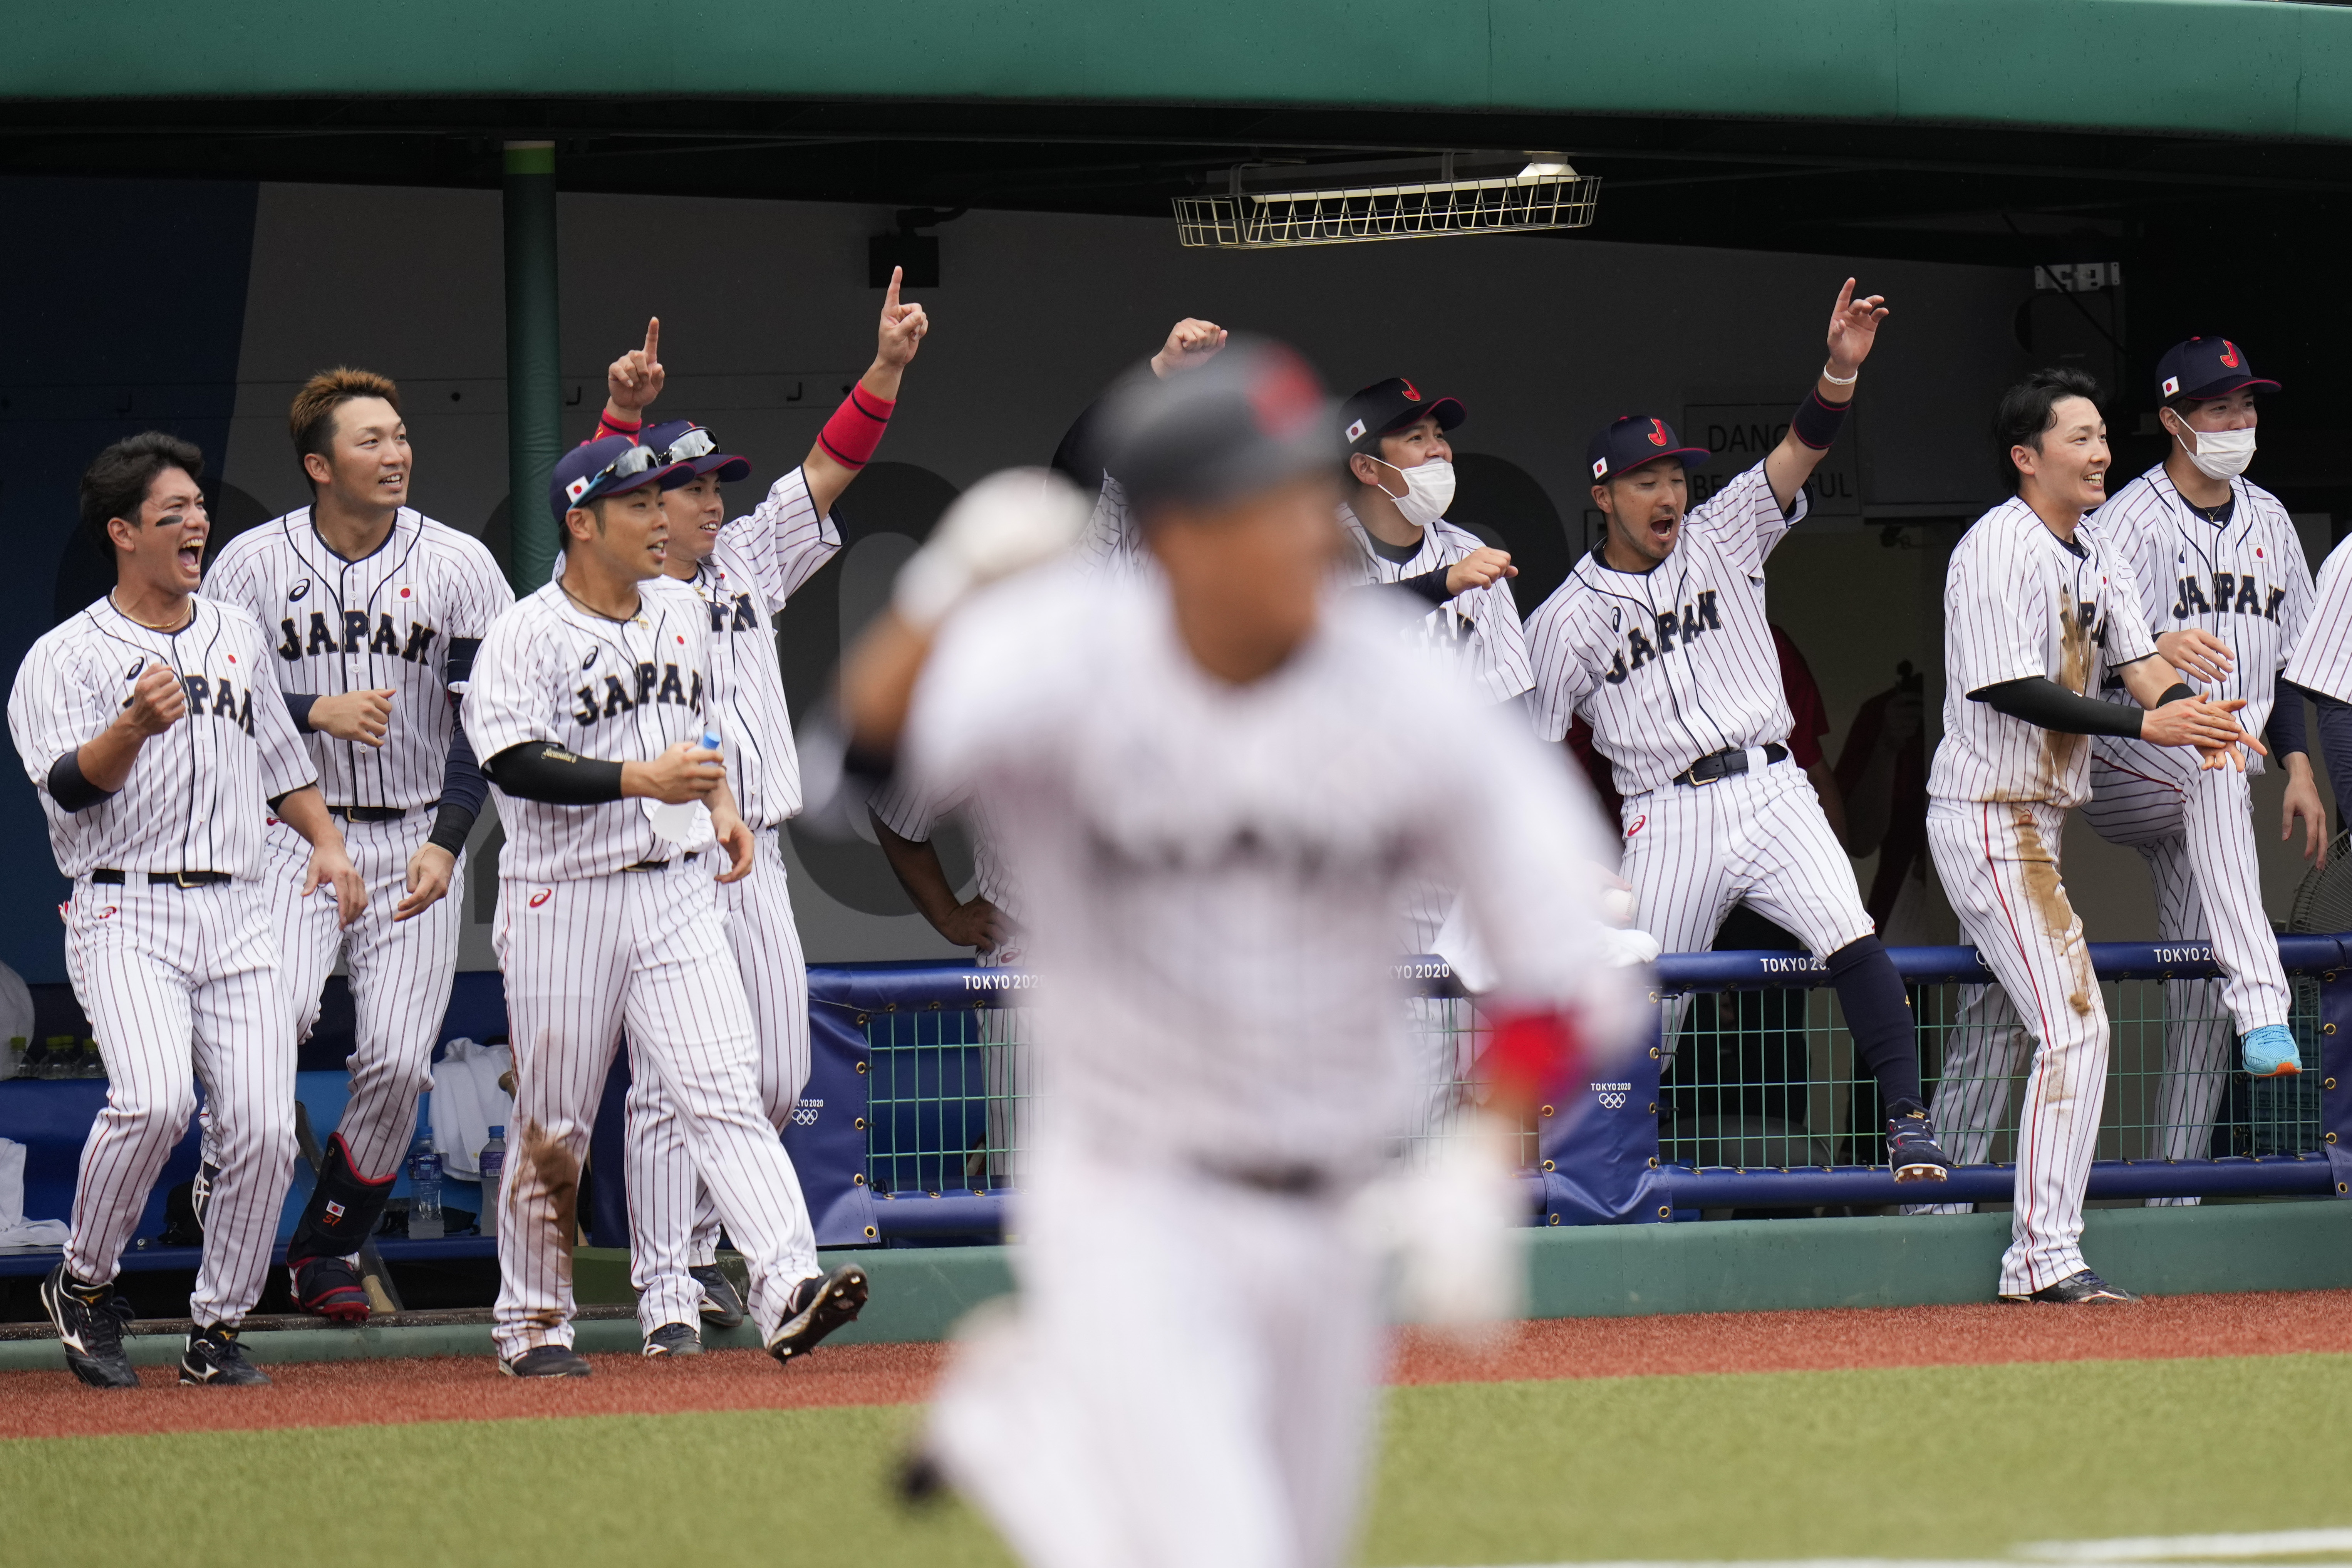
(675, 822)
(494, 1171)
(425, 1192)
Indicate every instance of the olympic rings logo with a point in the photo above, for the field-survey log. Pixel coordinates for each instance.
(1612, 1102)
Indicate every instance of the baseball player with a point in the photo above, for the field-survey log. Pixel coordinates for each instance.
(2321, 668)
(2225, 592)
(1658, 639)
(151, 726)
(590, 697)
(376, 612)
(744, 571)
(1214, 779)
(2039, 608)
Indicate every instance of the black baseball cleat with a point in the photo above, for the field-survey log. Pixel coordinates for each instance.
(818, 1307)
(547, 1361)
(89, 1327)
(1912, 1149)
(673, 1340)
(723, 1304)
(920, 1479)
(329, 1287)
(2080, 1289)
(215, 1358)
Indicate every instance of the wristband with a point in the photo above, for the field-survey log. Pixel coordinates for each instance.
(1816, 423)
(2178, 691)
(1840, 380)
(850, 437)
(608, 425)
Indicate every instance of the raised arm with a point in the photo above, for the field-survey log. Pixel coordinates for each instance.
(846, 443)
(1853, 332)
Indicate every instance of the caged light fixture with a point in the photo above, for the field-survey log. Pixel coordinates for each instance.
(1268, 206)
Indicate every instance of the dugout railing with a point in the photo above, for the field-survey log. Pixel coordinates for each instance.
(914, 1125)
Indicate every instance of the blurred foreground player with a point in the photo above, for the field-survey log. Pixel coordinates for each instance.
(152, 725)
(1215, 779)
(2037, 607)
(743, 569)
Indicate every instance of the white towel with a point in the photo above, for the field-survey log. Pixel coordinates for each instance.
(16, 1230)
(467, 1103)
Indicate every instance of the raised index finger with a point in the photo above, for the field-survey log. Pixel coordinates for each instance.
(890, 295)
(653, 340)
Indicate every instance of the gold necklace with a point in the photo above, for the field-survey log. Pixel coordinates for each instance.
(148, 625)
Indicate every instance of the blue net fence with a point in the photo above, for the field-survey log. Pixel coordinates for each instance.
(1750, 1100)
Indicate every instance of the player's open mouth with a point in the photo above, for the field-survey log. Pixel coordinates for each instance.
(191, 556)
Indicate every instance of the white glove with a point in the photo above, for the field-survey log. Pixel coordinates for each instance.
(1453, 1227)
(1622, 947)
(1007, 522)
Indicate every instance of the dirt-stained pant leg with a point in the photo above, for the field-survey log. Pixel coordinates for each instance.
(2000, 866)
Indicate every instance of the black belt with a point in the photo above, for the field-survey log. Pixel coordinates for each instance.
(374, 813)
(1281, 1181)
(1723, 763)
(658, 865)
(109, 876)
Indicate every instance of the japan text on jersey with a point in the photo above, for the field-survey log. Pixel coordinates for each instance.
(1676, 663)
(196, 797)
(384, 621)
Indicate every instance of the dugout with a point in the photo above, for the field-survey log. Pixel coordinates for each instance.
(487, 202)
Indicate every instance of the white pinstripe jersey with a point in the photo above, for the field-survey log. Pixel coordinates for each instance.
(1477, 630)
(384, 621)
(2018, 603)
(2246, 582)
(196, 797)
(1213, 871)
(1110, 544)
(617, 691)
(760, 560)
(2321, 660)
(1676, 663)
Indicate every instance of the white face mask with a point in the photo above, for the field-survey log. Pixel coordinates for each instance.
(1428, 490)
(2220, 454)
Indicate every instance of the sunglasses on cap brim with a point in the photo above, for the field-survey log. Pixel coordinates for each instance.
(631, 463)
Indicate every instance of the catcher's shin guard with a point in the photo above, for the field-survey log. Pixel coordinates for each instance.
(342, 1212)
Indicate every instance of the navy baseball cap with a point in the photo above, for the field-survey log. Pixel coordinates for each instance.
(610, 466)
(1393, 404)
(1251, 418)
(683, 441)
(1634, 440)
(2205, 368)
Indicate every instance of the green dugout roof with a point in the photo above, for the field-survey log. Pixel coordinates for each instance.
(2235, 68)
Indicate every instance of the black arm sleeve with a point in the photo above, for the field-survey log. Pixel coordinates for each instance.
(544, 771)
(2336, 750)
(297, 703)
(1084, 454)
(463, 790)
(1429, 585)
(2041, 701)
(69, 789)
(2284, 734)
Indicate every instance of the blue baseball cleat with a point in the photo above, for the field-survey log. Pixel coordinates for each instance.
(2270, 1052)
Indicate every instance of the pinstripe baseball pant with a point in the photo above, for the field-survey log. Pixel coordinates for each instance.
(2195, 828)
(1115, 1417)
(401, 976)
(1999, 863)
(1690, 853)
(180, 986)
(673, 1223)
(645, 951)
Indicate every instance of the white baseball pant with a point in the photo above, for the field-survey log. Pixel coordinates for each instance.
(1758, 838)
(673, 1222)
(1188, 1379)
(2195, 828)
(1999, 863)
(180, 984)
(401, 976)
(645, 951)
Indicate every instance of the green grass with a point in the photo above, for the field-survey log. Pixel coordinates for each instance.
(1937, 1462)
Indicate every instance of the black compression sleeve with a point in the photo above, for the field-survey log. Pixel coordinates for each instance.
(297, 703)
(458, 667)
(2336, 750)
(463, 790)
(68, 787)
(2041, 701)
(544, 771)
(2284, 734)
(1429, 585)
